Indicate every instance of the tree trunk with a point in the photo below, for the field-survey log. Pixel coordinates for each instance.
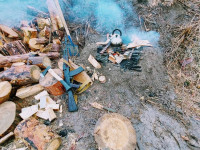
(41, 62)
(7, 61)
(5, 90)
(15, 48)
(51, 84)
(37, 135)
(29, 91)
(21, 75)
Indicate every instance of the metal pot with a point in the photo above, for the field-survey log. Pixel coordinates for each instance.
(115, 38)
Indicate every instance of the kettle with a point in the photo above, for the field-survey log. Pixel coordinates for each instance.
(115, 38)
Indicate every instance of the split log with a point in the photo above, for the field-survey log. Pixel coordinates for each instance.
(29, 33)
(51, 84)
(41, 62)
(5, 90)
(7, 61)
(37, 135)
(21, 75)
(7, 116)
(29, 91)
(34, 45)
(46, 32)
(114, 131)
(42, 22)
(9, 31)
(15, 48)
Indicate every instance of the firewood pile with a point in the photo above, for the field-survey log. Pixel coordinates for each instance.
(25, 52)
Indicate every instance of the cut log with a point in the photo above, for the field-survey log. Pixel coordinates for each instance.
(29, 33)
(37, 135)
(41, 62)
(41, 41)
(9, 31)
(93, 61)
(5, 90)
(51, 84)
(114, 131)
(34, 45)
(51, 48)
(21, 75)
(45, 33)
(42, 22)
(15, 48)
(29, 91)
(7, 116)
(7, 61)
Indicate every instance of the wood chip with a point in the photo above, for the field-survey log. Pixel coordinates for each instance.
(43, 93)
(94, 62)
(43, 102)
(43, 114)
(28, 111)
(51, 114)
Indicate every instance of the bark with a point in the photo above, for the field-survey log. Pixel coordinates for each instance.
(21, 75)
(41, 62)
(15, 48)
(37, 135)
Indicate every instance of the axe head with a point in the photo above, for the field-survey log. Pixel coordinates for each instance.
(42, 74)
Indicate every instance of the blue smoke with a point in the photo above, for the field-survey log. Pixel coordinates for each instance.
(103, 15)
(107, 15)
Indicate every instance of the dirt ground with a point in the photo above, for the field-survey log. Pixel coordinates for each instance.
(147, 98)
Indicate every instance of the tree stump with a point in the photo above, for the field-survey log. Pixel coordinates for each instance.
(7, 116)
(5, 90)
(51, 84)
(21, 75)
(114, 131)
(36, 135)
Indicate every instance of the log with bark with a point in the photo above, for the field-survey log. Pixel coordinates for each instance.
(37, 135)
(21, 75)
(15, 48)
(5, 90)
(7, 61)
(29, 91)
(51, 84)
(40, 61)
(34, 45)
(7, 116)
(51, 48)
